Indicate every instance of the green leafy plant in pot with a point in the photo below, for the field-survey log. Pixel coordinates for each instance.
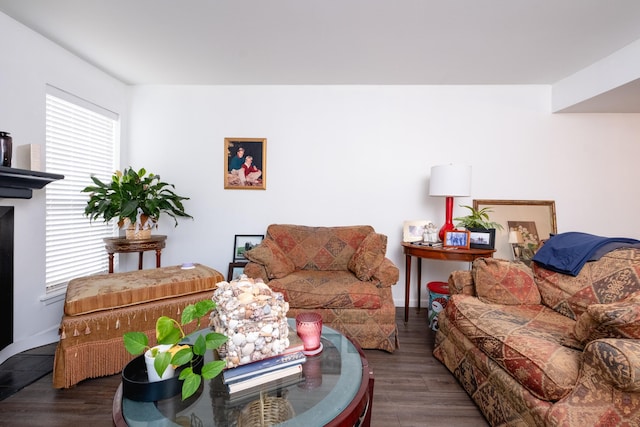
(133, 198)
(170, 332)
(477, 219)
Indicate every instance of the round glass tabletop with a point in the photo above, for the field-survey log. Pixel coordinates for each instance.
(329, 384)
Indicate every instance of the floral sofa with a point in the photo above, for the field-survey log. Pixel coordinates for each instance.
(537, 347)
(340, 272)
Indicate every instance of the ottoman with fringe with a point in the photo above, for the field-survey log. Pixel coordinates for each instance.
(100, 309)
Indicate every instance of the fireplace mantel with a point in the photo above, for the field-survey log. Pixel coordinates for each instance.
(19, 183)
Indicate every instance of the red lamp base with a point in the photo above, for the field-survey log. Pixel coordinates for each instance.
(448, 225)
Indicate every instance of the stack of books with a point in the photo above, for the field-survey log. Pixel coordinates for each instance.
(278, 371)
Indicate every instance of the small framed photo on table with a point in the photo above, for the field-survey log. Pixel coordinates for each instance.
(243, 243)
(482, 238)
(457, 239)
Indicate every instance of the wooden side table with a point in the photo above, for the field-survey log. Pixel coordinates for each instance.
(440, 253)
(122, 245)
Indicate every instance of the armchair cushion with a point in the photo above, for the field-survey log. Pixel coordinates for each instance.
(503, 282)
(616, 320)
(269, 254)
(368, 257)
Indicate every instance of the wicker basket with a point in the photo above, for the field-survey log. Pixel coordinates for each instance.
(266, 411)
(132, 234)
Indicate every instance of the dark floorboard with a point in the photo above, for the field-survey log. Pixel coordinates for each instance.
(411, 388)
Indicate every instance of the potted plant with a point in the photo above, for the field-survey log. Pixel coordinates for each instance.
(135, 199)
(481, 226)
(477, 218)
(176, 352)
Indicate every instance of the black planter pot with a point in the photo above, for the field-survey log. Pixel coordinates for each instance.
(136, 385)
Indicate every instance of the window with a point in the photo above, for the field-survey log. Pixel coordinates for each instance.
(81, 140)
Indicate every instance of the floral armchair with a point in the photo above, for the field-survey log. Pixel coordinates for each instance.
(340, 272)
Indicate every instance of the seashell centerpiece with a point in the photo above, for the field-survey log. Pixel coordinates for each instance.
(253, 317)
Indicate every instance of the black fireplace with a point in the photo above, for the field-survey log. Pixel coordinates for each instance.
(6, 276)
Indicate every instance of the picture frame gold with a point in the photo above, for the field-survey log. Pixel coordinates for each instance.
(540, 212)
(459, 239)
(235, 176)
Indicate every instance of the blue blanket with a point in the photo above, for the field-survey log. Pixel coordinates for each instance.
(568, 252)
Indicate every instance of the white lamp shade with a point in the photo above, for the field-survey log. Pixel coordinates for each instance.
(450, 180)
(515, 237)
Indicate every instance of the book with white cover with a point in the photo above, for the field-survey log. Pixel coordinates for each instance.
(265, 378)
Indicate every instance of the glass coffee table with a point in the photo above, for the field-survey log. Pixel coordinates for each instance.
(336, 390)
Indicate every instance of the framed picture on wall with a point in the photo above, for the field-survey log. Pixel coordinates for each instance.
(243, 243)
(245, 163)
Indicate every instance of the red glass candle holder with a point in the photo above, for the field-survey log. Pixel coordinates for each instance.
(309, 328)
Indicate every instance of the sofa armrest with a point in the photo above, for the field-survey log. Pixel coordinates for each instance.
(256, 271)
(608, 387)
(616, 360)
(461, 282)
(387, 274)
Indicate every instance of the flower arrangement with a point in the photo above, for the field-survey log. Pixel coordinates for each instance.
(133, 197)
(169, 331)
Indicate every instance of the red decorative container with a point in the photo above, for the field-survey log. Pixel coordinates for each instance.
(309, 329)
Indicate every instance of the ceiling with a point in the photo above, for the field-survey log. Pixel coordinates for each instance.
(379, 42)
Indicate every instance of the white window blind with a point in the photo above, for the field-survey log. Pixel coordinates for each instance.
(81, 140)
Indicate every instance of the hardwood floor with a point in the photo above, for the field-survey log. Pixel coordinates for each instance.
(411, 389)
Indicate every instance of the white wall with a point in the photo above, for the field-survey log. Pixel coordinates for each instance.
(339, 155)
(336, 155)
(27, 64)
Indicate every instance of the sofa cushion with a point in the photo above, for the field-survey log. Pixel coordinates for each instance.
(503, 282)
(324, 289)
(318, 248)
(531, 342)
(269, 254)
(616, 320)
(108, 291)
(612, 278)
(369, 255)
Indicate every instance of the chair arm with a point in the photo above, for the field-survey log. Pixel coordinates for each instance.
(461, 282)
(387, 274)
(256, 271)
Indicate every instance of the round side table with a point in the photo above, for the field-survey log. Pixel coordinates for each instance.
(122, 245)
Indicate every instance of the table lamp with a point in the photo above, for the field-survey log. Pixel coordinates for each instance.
(449, 181)
(516, 240)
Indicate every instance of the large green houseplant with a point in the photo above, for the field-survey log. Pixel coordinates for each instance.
(170, 332)
(133, 198)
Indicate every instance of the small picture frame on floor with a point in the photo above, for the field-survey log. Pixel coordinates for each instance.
(235, 270)
(243, 243)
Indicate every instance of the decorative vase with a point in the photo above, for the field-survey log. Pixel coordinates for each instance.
(309, 329)
(149, 360)
(6, 144)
